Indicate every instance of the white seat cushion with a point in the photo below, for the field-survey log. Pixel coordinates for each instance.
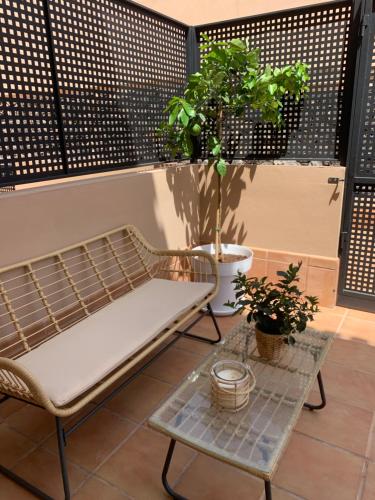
(70, 363)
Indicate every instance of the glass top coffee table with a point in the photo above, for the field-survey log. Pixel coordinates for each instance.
(254, 438)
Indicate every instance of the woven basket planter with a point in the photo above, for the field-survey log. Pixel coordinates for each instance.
(269, 346)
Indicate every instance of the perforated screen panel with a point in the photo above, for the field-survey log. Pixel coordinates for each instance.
(360, 266)
(117, 67)
(29, 140)
(366, 164)
(358, 260)
(319, 37)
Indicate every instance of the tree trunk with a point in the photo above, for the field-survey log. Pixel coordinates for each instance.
(218, 249)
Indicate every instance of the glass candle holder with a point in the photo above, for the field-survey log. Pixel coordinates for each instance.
(231, 384)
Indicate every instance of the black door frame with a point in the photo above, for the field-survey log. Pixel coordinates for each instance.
(364, 22)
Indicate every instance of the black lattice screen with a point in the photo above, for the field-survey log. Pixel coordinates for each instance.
(117, 66)
(29, 140)
(83, 89)
(83, 85)
(366, 164)
(319, 37)
(360, 265)
(357, 278)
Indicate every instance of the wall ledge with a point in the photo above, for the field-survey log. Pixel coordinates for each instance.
(81, 180)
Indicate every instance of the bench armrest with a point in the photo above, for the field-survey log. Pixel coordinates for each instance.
(195, 265)
(17, 382)
(180, 265)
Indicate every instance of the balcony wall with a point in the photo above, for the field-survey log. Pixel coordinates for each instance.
(285, 213)
(279, 207)
(37, 220)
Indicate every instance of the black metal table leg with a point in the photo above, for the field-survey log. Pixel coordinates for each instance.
(164, 479)
(268, 490)
(64, 472)
(322, 396)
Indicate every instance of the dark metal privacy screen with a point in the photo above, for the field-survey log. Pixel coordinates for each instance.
(357, 276)
(366, 163)
(117, 66)
(83, 85)
(360, 266)
(319, 37)
(29, 138)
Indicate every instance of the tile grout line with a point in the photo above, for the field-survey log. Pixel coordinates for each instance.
(371, 438)
(295, 496)
(360, 319)
(89, 473)
(24, 435)
(105, 481)
(186, 467)
(362, 484)
(93, 473)
(334, 362)
(332, 445)
(339, 326)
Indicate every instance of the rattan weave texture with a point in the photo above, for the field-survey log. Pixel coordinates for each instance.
(43, 297)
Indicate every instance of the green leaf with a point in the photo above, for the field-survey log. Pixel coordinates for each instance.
(183, 117)
(272, 88)
(216, 150)
(188, 109)
(240, 44)
(173, 116)
(221, 167)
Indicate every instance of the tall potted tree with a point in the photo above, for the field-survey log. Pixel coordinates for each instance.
(230, 80)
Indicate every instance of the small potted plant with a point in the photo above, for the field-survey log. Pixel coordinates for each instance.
(278, 309)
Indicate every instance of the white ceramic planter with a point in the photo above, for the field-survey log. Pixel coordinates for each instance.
(227, 271)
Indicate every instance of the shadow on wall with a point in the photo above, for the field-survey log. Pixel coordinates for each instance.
(232, 187)
(187, 206)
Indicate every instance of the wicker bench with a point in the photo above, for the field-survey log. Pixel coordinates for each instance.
(74, 322)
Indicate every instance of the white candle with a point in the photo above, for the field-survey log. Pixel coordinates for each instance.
(230, 382)
(230, 374)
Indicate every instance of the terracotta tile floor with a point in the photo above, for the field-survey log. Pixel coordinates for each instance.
(116, 456)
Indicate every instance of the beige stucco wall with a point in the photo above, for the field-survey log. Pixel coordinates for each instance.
(163, 204)
(194, 12)
(285, 208)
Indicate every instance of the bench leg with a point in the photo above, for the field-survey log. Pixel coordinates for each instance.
(24, 484)
(62, 443)
(198, 337)
(164, 479)
(30, 487)
(322, 396)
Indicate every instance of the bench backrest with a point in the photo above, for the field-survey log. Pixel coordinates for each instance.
(44, 296)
